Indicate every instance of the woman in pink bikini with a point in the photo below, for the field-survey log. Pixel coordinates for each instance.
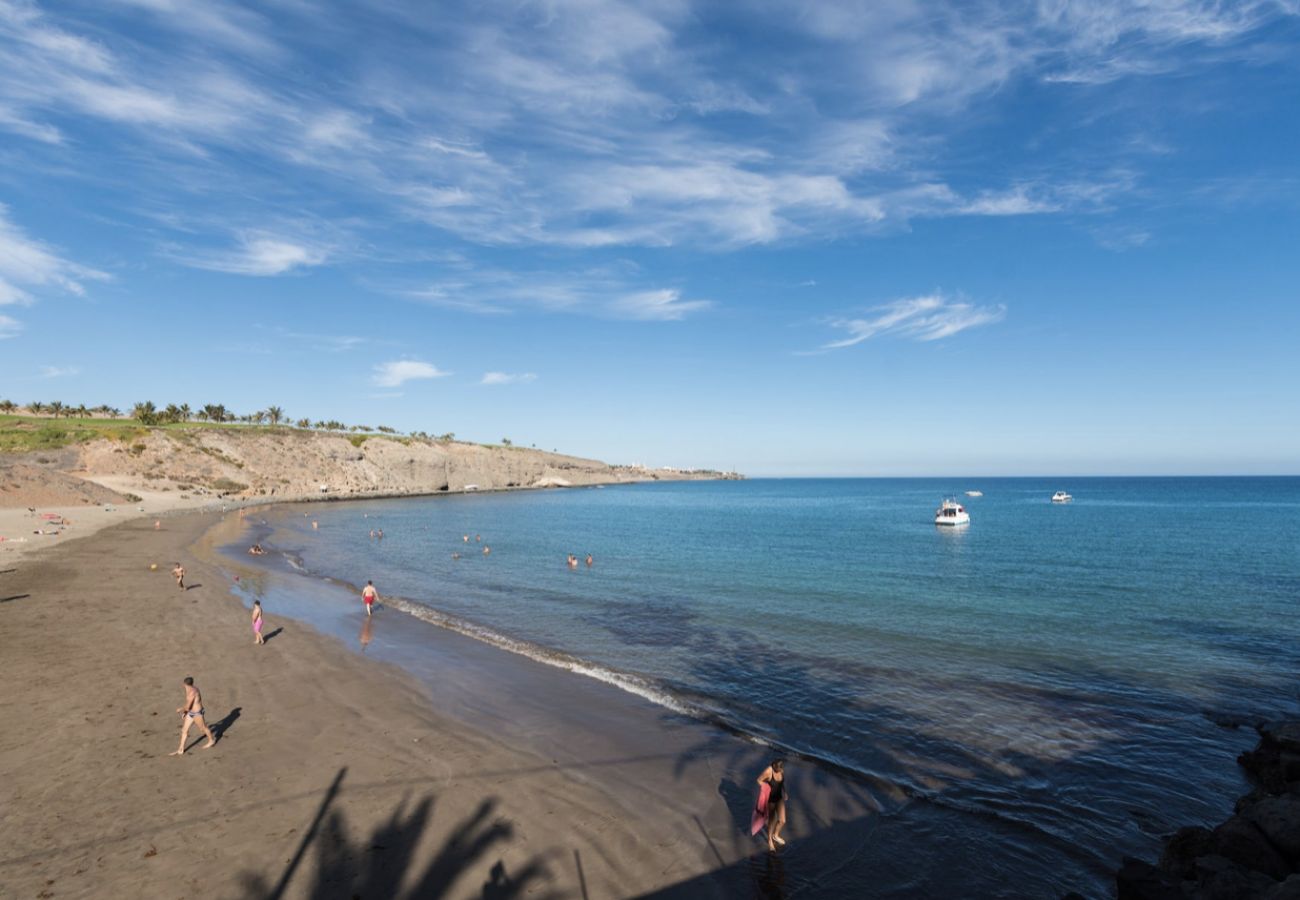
(257, 622)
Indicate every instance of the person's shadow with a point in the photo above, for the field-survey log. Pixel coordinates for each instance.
(739, 800)
(190, 587)
(220, 728)
(266, 638)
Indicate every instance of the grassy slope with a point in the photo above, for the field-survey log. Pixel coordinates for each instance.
(20, 434)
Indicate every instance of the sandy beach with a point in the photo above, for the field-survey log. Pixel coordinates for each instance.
(337, 775)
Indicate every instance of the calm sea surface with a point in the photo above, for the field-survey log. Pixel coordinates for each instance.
(1063, 671)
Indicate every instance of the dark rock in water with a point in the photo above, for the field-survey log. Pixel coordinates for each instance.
(1246, 801)
(1073, 896)
(1138, 880)
(1254, 855)
(1181, 851)
(1276, 761)
(1285, 734)
(1278, 819)
(1240, 841)
(1287, 890)
(1219, 878)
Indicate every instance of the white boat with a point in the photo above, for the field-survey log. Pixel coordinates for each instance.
(1061, 497)
(950, 512)
(974, 493)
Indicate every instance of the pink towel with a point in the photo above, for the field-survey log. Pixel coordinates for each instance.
(759, 818)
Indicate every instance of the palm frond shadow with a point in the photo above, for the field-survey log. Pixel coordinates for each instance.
(378, 864)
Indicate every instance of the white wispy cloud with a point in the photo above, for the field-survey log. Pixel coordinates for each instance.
(27, 264)
(507, 378)
(574, 125)
(331, 343)
(260, 254)
(927, 318)
(212, 20)
(397, 372)
(1017, 201)
(663, 305)
(9, 327)
(59, 371)
(608, 291)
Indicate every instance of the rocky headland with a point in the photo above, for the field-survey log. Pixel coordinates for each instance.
(241, 464)
(1253, 855)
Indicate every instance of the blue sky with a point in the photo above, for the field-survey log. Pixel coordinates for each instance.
(873, 238)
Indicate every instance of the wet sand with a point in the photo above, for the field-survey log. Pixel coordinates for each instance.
(339, 774)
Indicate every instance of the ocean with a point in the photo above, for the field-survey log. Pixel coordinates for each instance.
(1075, 679)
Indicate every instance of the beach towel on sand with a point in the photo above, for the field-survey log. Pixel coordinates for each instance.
(759, 818)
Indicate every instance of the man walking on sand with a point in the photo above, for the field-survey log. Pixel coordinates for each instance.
(191, 713)
(369, 595)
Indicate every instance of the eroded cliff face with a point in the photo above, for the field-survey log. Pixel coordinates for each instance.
(289, 464)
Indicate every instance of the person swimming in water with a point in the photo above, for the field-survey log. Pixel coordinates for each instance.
(774, 777)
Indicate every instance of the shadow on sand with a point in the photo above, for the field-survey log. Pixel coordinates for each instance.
(218, 728)
(14, 597)
(266, 638)
(330, 862)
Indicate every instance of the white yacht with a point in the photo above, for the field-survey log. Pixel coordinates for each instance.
(974, 493)
(950, 512)
(1061, 497)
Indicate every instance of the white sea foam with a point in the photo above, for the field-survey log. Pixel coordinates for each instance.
(625, 681)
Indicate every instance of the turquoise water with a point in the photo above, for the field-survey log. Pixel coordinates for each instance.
(1063, 672)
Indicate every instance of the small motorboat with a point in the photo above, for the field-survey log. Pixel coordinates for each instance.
(950, 512)
(1062, 497)
(974, 493)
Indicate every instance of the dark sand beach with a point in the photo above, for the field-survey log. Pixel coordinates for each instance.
(336, 775)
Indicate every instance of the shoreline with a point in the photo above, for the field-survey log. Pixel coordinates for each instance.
(637, 687)
(631, 687)
(312, 735)
(16, 520)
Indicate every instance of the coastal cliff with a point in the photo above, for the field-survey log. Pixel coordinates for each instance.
(289, 463)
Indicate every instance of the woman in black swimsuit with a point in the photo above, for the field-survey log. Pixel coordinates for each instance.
(774, 777)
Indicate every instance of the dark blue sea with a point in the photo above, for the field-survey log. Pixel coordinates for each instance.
(1083, 675)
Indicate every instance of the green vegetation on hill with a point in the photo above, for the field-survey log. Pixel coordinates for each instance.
(75, 419)
(24, 433)
(19, 434)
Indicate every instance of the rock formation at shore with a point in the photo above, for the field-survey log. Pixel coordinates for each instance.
(1254, 855)
(288, 463)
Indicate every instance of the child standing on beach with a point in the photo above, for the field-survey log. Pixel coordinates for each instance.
(257, 622)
